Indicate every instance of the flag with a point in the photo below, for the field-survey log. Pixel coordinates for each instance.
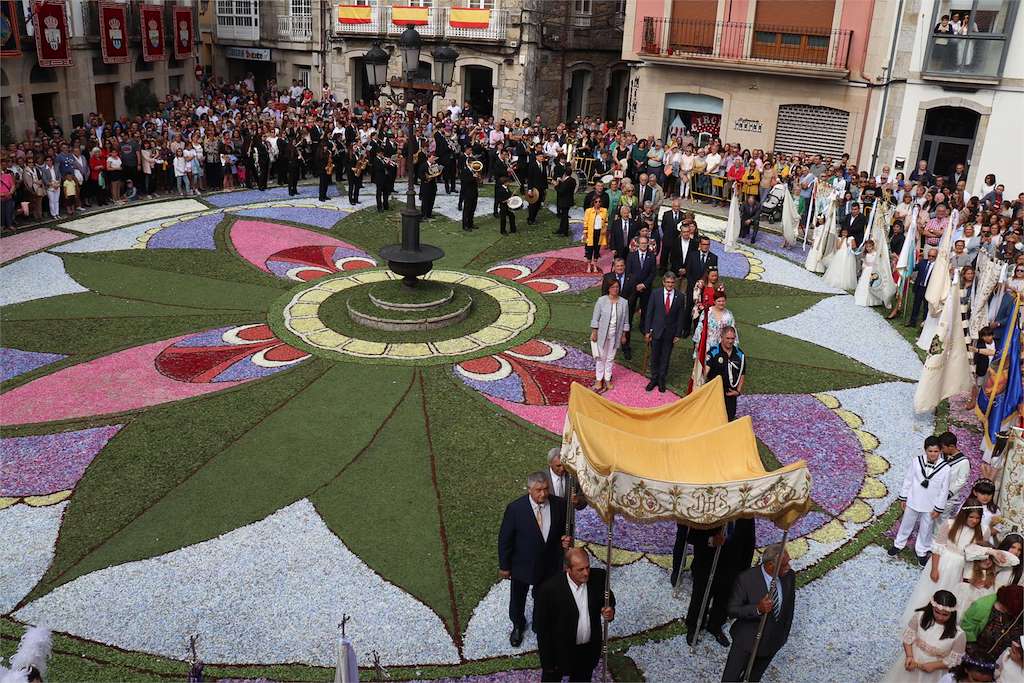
(1002, 394)
(469, 18)
(114, 33)
(51, 28)
(410, 16)
(700, 355)
(355, 14)
(182, 32)
(947, 369)
(10, 42)
(732, 224)
(151, 20)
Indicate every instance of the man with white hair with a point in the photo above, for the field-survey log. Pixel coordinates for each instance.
(560, 479)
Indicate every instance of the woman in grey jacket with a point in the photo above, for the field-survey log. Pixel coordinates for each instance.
(608, 328)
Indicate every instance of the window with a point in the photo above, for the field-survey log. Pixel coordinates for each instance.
(480, 4)
(174, 84)
(302, 74)
(620, 7)
(582, 11)
(300, 8)
(415, 3)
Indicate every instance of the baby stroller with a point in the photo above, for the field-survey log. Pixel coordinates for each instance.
(771, 208)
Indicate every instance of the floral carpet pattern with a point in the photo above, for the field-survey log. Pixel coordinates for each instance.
(188, 446)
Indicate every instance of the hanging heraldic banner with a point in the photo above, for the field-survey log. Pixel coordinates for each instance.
(182, 32)
(152, 18)
(114, 33)
(51, 27)
(10, 43)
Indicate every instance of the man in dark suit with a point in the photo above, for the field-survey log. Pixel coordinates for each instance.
(737, 540)
(642, 265)
(428, 184)
(627, 290)
(565, 193)
(469, 189)
(671, 227)
(856, 223)
(530, 546)
(959, 173)
(498, 170)
(624, 228)
(567, 617)
(663, 326)
(922, 273)
(750, 218)
(700, 261)
(502, 194)
(680, 259)
(536, 179)
(754, 595)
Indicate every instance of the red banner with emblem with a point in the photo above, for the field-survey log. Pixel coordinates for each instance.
(51, 28)
(10, 43)
(182, 32)
(151, 18)
(114, 33)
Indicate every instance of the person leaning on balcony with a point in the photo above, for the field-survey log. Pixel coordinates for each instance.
(945, 47)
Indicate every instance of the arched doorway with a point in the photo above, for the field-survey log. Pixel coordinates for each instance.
(948, 138)
(615, 97)
(578, 94)
(478, 89)
(361, 90)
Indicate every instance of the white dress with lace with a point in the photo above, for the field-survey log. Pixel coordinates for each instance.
(865, 294)
(928, 646)
(841, 272)
(951, 568)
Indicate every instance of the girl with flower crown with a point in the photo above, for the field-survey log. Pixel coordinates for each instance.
(932, 641)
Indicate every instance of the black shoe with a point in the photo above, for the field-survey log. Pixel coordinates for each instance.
(672, 579)
(690, 636)
(627, 353)
(512, 230)
(515, 639)
(661, 387)
(650, 386)
(923, 559)
(505, 232)
(894, 551)
(465, 229)
(912, 323)
(719, 636)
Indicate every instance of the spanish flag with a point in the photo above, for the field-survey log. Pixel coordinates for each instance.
(354, 14)
(469, 18)
(409, 16)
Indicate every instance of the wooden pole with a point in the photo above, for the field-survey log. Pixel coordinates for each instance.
(607, 597)
(764, 617)
(707, 595)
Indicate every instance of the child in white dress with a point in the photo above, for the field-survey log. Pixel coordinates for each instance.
(841, 272)
(866, 285)
(932, 641)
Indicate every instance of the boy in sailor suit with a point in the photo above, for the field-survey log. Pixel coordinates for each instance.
(924, 496)
(959, 470)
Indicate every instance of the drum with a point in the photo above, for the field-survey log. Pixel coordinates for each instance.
(607, 178)
(515, 203)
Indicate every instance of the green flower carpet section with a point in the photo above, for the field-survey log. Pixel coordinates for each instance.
(204, 440)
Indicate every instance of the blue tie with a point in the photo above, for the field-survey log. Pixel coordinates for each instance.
(776, 604)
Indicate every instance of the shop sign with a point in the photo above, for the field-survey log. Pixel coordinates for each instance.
(255, 54)
(748, 125)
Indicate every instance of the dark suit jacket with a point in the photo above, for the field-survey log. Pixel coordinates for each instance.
(536, 177)
(670, 226)
(856, 227)
(676, 259)
(645, 274)
(628, 283)
(555, 617)
(921, 271)
(695, 269)
(522, 549)
(565, 193)
(954, 178)
(657, 322)
(620, 242)
(749, 589)
(750, 213)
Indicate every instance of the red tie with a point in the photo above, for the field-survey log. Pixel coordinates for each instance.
(668, 303)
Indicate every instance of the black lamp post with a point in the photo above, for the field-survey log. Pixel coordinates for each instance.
(410, 259)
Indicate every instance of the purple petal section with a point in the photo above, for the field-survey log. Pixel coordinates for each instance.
(39, 465)
(772, 243)
(730, 264)
(514, 676)
(271, 194)
(14, 362)
(509, 388)
(195, 233)
(769, 533)
(208, 338)
(833, 453)
(576, 359)
(657, 537)
(246, 369)
(320, 218)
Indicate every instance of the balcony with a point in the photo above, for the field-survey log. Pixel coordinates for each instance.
(295, 27)
(787, 50)
(238, 19)
(974, 59)
(438, 26)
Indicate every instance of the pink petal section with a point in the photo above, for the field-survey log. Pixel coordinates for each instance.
(256, 241)
(26, 242)
(576, 253)
(122, 381)
(629, 390)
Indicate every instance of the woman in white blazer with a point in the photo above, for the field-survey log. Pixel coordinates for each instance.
(608, 328)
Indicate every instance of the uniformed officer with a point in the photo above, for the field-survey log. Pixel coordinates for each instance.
(728, 362)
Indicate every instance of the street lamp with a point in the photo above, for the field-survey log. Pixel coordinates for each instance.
(410, 259)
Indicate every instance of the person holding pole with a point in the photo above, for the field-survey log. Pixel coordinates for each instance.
(762, 605)
(719, 555)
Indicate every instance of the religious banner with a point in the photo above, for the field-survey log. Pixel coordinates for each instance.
(409, 16)
(183, 32)
(151, 18)
(51, 28)
(355, 14)
(10, 43)
(114, 33)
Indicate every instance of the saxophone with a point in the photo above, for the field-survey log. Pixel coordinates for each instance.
(329, 166)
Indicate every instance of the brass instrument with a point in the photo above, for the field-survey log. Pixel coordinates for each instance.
(434, 171)
(477, 167)
(360, 166)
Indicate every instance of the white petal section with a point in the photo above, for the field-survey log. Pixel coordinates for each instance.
(640, 591)
(130, 215)
(28, 534)
(834, 627)
(448, 205)
(270, 592)
(887, 411)
(779, 271)
(114, 240)
(35, 277)
(855, 331)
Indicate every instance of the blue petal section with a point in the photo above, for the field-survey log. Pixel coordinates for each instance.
(246, 369)
(196, 233)
(318, 218)
(14, 362)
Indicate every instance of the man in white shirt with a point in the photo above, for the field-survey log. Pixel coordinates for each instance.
(562, 481)
(454, 111)
(568, 618)
(923, 497)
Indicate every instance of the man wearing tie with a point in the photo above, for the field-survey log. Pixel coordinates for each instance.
(641, 266)
(561, 479)
(663, 326)
(671, 226)
(530, 546)
(627, 290)
(754, 595)
(922, 272)
(624, 229)
(700, 261)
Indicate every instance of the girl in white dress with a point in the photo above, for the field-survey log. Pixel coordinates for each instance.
(932, 641)
(1012, 543)
(946, 569)
(841, 272)
(865, 294)
(981, 579)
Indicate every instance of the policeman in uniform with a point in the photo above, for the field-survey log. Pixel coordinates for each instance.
(728, 362)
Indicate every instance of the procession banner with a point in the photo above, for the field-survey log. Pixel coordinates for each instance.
(183, 32)
(113, 33)
(410, 16)
(355, 14)
(469, 18)
(151, 18)
(51, 28)
(10, 42)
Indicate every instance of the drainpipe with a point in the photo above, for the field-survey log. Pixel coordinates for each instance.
(563, 41)
(885, 90)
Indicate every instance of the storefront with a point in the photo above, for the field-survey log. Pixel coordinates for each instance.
(698, 115)
(254, 60)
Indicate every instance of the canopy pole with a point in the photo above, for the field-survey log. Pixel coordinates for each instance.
(607, 600)
(707, 595)
(764, 617)
(677, 586)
